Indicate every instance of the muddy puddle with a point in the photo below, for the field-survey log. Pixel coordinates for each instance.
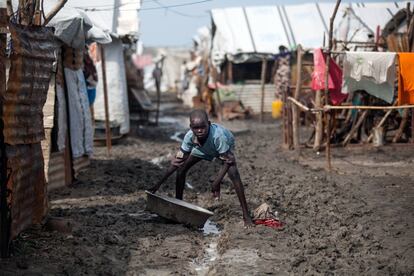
(202, 264)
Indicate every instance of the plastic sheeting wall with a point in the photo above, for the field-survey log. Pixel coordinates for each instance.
(251, 96)
(116, 83)
(267, 23)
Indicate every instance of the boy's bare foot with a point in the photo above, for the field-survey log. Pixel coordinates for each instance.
(248, 223)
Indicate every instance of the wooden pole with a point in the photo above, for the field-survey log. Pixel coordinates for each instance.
(364, 107)
(4, 212)
(299, 104)
(380, 124)
(412, 126)
(263, 82)
(37, 14)
(9, 8)
(105, 92)
(229, 72)
(54, 11)
(219, 110)
(328, 115)
(284, 26)
(295, 111)
(355, 128)
(285, 116)
(290, 131)
(319, 122)
(402, 126)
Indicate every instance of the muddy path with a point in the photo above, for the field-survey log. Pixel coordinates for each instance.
(357, 220)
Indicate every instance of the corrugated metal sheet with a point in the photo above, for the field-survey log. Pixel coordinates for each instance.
(33, 54)
(251, 95)
(3, 20)
(80, 164)
(27, 181)
(56, 171)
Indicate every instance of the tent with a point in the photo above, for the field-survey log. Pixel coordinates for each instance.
(240, 34)
(119, 18)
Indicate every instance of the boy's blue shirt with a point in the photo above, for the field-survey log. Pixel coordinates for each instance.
(219, 141)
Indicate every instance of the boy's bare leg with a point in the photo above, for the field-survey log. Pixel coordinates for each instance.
(182, 173)
(235, 178)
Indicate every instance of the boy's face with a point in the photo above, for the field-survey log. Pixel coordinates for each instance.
(199, 127)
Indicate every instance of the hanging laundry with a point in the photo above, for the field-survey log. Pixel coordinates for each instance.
(80, 127)
(406, 79)
(282, 74)
(334, 80)
(373, 72)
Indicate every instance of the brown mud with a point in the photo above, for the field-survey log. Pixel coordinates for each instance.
(357, 220)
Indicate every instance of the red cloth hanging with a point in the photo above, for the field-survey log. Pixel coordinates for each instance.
(334, 79)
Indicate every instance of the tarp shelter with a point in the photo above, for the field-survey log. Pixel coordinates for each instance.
(28, 140)
(240, 33)
(119, 18)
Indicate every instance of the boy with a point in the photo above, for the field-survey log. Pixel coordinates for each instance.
(206, 141)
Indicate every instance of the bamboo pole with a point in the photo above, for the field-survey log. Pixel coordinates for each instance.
(284, 26)
(355, 128)
(328, 115)
(105, 92)
(263, 82)
(295, 111)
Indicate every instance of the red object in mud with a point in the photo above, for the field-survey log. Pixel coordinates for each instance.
(273, 223)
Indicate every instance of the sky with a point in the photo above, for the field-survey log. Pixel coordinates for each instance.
(175, 26)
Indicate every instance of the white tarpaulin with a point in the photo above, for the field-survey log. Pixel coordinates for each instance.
(262, 29)
(246, 30)
(72, 27)
(118, 17)
(117, 88)
(360, 22)
(81, 132)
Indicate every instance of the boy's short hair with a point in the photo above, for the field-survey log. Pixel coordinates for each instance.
(199, 113)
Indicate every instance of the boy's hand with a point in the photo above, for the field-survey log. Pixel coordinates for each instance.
(215, 189)
(154, 189)
(228, 158)
(179, 159)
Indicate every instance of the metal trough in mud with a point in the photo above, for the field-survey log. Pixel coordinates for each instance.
(177, 210)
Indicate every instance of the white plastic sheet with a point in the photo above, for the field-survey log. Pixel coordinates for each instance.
(73, 27)
(118, 17)
(117, 89)
(81, 132)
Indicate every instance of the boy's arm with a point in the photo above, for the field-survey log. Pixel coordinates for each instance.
(229, 160)
(176, 162)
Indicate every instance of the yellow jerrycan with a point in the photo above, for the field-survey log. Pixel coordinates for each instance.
(277, 109)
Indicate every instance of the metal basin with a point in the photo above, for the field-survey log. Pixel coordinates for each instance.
(177, 210)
